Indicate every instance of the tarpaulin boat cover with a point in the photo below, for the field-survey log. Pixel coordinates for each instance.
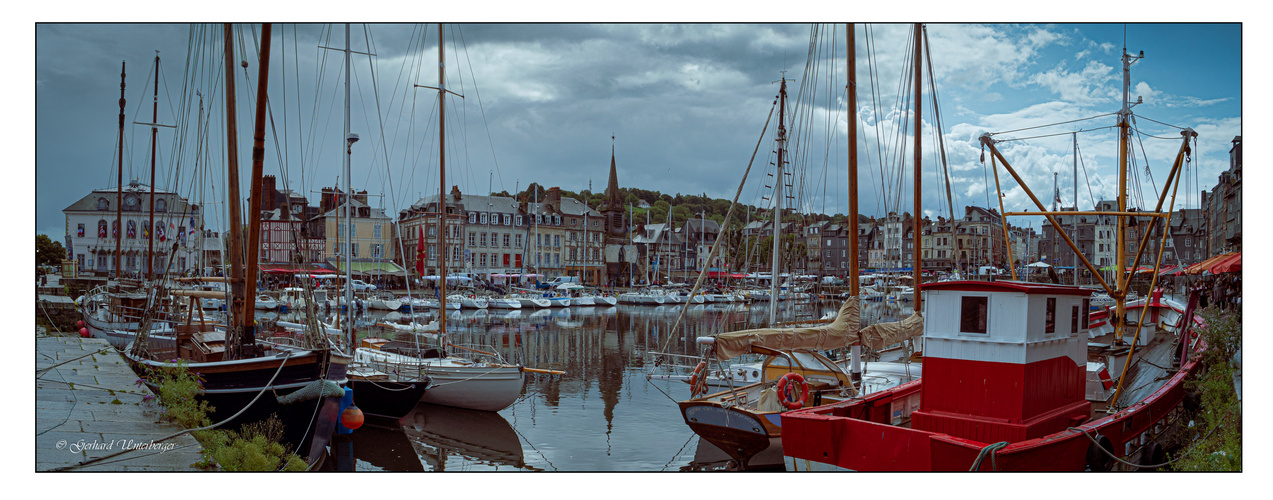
(841, 332)
(881, 335)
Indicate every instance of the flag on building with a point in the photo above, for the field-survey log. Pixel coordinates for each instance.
(419, 254)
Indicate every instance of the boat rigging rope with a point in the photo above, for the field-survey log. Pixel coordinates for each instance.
(990, 450)
(268, 385)
(729, 217)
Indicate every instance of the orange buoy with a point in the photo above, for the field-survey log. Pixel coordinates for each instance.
(351, 418)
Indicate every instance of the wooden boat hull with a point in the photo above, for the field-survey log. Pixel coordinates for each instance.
(482, 388)
(391, 400)
(739, 433)
(233, 385)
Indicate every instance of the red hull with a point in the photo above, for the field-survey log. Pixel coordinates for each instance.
(860, 435)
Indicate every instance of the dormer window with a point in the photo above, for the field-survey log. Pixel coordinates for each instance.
(508, 220)
(161, 205)
(102, 204)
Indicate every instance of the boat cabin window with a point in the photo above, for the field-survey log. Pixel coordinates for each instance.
(1074, 319)
(973, 312)
(1087, 309)
(1050, 317)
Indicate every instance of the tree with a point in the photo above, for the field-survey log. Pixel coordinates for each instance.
(48, 252)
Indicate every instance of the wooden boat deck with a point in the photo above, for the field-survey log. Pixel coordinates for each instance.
(1151, 366)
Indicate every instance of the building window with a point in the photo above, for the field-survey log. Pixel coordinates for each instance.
(557, 240)
(1049, 318)
(472, 217)
(161, 205)
(517, 241)
(79, 231)
(505, 239)
(508, 220)
(483, 218)
(472, 239)
(482, 259)
(353, 252)
(102, 204)
(519, 221)
(973, 312)
(375, 231)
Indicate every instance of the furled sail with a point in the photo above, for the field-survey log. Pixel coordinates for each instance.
(881, 335)
(841, 332)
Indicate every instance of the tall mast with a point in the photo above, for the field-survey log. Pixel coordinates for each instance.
(778, 194)
(919, 111)
(154, 135)
(1124, 119)
(346, 244)
(237, 289)
(117, 233)
(442, 184)
(850, 37)
(855, 351)
(254, 200)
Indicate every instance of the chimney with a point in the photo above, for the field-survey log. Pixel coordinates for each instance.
(267, 193)
(553, 198)
(361, 196)
(455, 193)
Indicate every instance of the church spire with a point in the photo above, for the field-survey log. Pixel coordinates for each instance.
(614, 202)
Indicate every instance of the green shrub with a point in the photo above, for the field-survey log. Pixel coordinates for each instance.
(1219, 417)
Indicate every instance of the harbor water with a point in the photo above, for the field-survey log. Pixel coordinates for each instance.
(604, 414)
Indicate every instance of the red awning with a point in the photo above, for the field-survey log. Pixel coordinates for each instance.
(1206, 265)
(1230, 265)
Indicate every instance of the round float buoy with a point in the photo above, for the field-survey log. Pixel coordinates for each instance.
(351, 418)
(698, 380)
(1097, 459)
(792, 380)
(84, 332)
(79, 324)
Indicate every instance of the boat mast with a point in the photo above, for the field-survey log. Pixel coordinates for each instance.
(855, 351)
(778, 194)
(254, 200)
(154, 135)
(442, 185)
(1124, 123)
(346, 244)
(117, 233)
(232, 193)
(919, 38)
(850, 40)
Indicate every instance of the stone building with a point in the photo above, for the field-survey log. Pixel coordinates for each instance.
(92, 229)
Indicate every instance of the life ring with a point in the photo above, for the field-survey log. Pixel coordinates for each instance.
(1098, 459)
(698, 380)
(790, 381)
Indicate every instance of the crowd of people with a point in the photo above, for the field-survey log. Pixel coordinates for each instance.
(1223, 291)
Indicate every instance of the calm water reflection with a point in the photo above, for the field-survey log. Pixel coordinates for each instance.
(602, 415)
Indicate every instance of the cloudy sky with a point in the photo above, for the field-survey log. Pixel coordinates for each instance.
(685, 103)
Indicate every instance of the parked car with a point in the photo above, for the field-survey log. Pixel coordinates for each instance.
(360, 286)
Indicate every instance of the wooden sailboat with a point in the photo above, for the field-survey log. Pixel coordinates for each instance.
(1038, 398)
(484, 382)
(243, 378)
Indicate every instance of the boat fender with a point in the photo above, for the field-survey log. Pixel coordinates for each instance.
(698, 380)
(316, 389)
(795, 382)
(1152, 455)
(1098, 459)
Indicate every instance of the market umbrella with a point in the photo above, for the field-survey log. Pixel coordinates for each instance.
(1038, 264)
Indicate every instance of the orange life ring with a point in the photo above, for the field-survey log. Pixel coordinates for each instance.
(789, 381)
(698, 380)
